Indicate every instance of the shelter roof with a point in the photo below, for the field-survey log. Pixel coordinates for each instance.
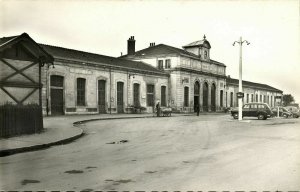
(252, 84)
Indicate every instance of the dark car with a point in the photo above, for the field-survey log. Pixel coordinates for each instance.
(294, 110)
(260, 110)
(283, 112)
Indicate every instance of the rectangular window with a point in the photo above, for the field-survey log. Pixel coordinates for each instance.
(150, 95)
(246, 107)
(254, 106)
(160, 64)
(80, 91)
(186, 96)
(168, 63)
(251, 97)
(57, 81)
(264, 98)
(256, 98)
(247, 98)
(163, 96)
(136, 94)
(261, 106)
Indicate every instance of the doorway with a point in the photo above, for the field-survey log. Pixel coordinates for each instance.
(196, 95)
(120, 99)
(57, 94)
(205, 97)
(101, 96)
(213, 97)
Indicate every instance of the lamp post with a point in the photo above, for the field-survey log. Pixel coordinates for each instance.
(240, 93)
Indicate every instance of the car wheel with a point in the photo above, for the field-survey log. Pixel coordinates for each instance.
(285, 116)
(235, 116)
(261, 117)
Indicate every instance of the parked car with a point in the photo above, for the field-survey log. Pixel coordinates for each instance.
(283, 112)
(294, 110)
(260, 110)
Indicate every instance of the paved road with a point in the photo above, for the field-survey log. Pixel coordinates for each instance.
(177, 153)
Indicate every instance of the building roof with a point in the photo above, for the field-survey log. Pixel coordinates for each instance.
(252, 84)
(4, 40)
(28, 42)
(199, 43)
(86, 57)
(166, 49)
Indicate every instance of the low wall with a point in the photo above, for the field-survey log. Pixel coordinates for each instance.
(20, 119)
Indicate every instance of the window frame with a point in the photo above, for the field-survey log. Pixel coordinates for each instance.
(186, 96)
(160, 64)
(151, 94)
(163, 97)
(136, 95)
(167, 63)
(81, 91)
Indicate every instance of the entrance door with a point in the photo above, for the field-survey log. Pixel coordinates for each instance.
(56, 95)
(221, 98)
(196, 95)
(213, 97)
(120, 100)
(101, 96)
(205, 97)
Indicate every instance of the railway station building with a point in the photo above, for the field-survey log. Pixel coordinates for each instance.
(78, 82)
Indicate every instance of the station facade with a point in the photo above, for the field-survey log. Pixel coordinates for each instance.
(79, 82)
(195, 78)
(253, 92)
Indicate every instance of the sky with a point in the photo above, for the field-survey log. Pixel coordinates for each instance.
(103, 27)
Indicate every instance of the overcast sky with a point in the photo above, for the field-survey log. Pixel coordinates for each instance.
(103, 27)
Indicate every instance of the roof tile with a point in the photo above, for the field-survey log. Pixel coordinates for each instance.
(166, 49)
(65, 53)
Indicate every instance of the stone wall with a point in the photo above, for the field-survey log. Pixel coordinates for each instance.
(71, 72)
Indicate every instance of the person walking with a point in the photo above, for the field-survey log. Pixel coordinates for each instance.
(197, 108)
(158, 109)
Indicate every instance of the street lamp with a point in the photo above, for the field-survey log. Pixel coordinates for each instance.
(240, 93)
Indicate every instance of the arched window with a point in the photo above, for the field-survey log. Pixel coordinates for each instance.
(205, 54)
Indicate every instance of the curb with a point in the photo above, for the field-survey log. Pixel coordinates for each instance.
(8, 152)
(76, 123)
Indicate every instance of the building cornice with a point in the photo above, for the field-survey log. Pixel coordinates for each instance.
(254, 87)
(198, 72)
(109, 66)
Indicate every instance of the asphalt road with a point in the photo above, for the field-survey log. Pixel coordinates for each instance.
(171, 153)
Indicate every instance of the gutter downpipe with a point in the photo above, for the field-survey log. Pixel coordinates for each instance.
(110, 90)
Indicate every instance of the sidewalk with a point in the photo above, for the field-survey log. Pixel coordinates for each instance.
(60, 130)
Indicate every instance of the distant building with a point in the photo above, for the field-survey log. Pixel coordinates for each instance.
(88, 83)
(195, 78)
(253, 92)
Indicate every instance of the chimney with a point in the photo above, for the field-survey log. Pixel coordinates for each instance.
(131, 46)
(152, 44)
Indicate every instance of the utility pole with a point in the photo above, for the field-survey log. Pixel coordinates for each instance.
(240, 94)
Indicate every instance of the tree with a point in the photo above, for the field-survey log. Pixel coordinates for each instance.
(287, 99)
